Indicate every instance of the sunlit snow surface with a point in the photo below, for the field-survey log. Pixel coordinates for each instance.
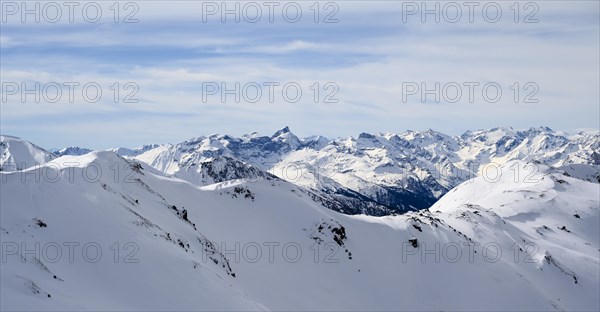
(291, 253)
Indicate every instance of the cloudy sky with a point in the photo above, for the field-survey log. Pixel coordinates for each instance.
(361, 66)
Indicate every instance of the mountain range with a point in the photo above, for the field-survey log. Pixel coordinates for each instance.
(374, 174)
(213, 224)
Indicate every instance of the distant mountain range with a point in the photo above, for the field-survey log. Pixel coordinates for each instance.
(374, 174)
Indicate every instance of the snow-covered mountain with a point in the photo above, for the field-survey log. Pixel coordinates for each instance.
(208, 160)
(123, 151)
(375, 174)
(394, 173)
(18, 154)
(72, 151)
(97, 238)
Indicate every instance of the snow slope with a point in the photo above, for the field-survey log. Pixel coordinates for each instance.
(583, 172)
(266, 244)
(543, 210)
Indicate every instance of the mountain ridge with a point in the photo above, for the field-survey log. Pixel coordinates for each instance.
(377, 174)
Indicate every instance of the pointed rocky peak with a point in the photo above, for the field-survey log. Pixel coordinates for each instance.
(284, 130)
(286, 136)
(435, 134)
(365, 135)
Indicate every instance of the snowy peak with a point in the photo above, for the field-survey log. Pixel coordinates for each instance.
(224, 168)
(280, 132)
(218, 169)
(17, 154)
(286, 137)
(316, 142)
(492, 134)
(533, 196)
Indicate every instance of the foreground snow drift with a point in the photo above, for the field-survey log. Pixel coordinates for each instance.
(102, 233)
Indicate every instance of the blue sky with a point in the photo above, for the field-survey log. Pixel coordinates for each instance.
(369, 54)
